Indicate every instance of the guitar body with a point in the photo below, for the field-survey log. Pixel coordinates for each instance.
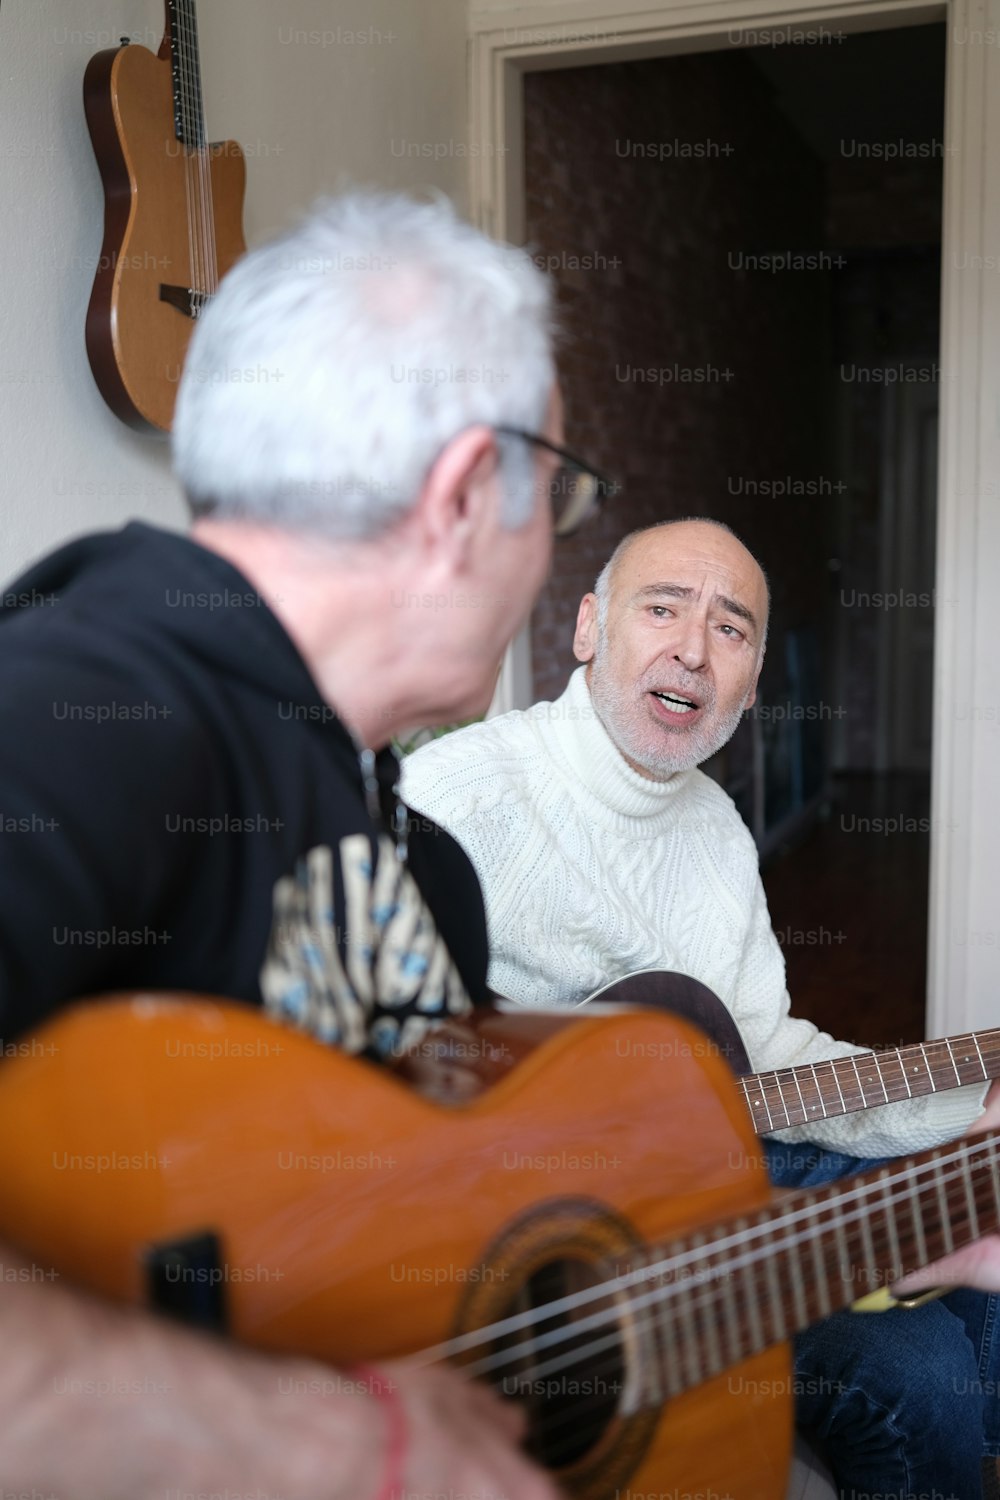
(358, 1219)
(153, 237)
(679, 995)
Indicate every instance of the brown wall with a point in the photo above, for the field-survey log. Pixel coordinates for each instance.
(644, 248)
(664, 289)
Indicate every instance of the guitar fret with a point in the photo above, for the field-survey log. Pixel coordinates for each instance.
(835, 1086)
(916, 1213)
(802, 1102)
(878, 1074)
(843, 1250)
(970, 1199)
(189, 110)
(995, 1180)
(817, 1110)
(885, 1062)
(673, 1364)
(690, 1359)
(732, 1319)
(982, 1064)
(895, 1254)
(861, 1088)
(759, 1103)
(819, 1265)
(902, 1069)
(942, 1195)
(749, 1276)
(798, 1286)
(651, 1374)
(774, 1290)
(702, 1295)
(867, 1244)
(781, 1094)
(836, 1078)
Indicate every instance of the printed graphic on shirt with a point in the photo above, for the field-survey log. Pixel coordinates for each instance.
(382, 980)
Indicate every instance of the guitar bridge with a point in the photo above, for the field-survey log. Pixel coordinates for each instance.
(187, 300)
(185, 1279)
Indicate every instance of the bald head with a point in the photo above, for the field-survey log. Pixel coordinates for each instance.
(687, 530)
(673, 637)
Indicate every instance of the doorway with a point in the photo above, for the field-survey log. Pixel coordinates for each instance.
(548, 38)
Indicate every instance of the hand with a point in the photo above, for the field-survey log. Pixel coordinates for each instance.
(462, 1439)
(978, 1265)
(104, 1403)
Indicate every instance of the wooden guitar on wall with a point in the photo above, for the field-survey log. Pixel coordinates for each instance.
(173, 216)
(573, 1207)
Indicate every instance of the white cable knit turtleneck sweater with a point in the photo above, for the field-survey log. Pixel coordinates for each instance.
(591, 871)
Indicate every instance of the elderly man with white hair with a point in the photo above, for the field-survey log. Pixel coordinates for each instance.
(197, 750)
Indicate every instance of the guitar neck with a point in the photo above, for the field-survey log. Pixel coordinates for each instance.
(721, 1296)
(796, 1096)
(189, 112)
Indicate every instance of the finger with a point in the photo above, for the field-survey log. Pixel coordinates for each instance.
(977, 1265)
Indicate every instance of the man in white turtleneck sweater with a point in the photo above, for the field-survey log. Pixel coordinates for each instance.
(602, 849)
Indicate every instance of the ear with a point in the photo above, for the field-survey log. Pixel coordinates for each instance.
(585, 636)
(457, 495)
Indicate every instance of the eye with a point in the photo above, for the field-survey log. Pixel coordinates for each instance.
(659, 611)
(734, 633)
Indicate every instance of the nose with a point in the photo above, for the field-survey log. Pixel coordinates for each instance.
(689, 646)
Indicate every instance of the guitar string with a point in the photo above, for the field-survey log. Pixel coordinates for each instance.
(212, 264)
(198, 133)
(695, 1303)
(662, 1386)
(204, 267)
(549, 1425)
(194, 158)
(776, 1078)
(685, 1257)
(947, 1168)
(180, 51)
(704, 1366)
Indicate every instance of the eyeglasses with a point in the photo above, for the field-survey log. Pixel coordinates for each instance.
(577, 491)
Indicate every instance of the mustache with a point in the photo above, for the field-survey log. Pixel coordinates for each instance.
(701, 692)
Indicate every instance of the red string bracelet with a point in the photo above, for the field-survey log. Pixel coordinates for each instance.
(383, 1388)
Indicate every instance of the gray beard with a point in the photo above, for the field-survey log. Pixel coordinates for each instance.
(661, 750)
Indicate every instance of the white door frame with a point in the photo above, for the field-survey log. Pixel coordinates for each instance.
(511, 37)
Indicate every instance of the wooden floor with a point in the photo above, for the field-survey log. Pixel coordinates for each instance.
(849, 907)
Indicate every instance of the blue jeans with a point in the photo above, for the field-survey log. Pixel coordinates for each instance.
(903, 1403)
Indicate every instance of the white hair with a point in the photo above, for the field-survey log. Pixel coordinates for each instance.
(337, 361)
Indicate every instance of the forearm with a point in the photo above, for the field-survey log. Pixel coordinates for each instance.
(102, 1402)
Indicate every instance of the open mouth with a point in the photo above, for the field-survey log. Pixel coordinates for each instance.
(675, 703)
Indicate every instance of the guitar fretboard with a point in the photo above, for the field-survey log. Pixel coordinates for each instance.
(189, 113)
(716, 1299)
(794, 1096)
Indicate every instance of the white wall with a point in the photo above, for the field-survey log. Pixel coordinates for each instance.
(318, 92)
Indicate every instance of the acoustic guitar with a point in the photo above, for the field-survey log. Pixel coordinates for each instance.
(591, 1230)
(813, 1091)
(173, 216)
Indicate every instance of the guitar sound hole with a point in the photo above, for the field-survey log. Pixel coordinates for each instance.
(571, 1383)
